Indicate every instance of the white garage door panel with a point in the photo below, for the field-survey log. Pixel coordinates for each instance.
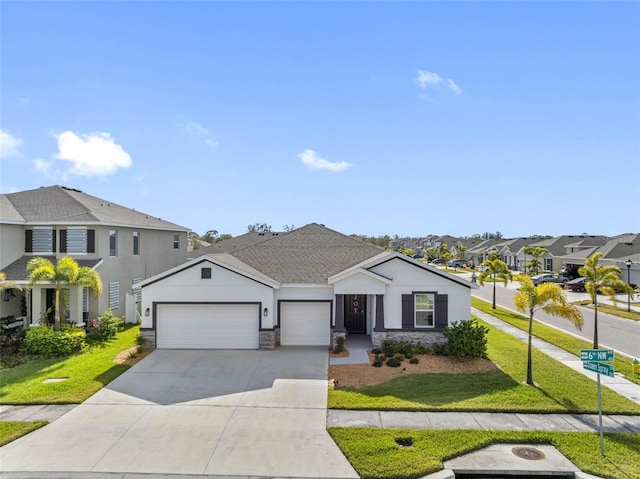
(208, 326)
(305, 324)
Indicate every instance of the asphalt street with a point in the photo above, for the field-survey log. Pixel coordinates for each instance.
(622, 335)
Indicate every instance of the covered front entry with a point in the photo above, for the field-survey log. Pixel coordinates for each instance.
(305, 323)
(355, 313)
(207, 326)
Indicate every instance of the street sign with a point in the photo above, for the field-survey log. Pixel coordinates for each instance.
(606, 369)
(599, 355)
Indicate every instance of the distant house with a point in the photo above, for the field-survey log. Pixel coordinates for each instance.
(123, 245)
(304, 287)
(557, 247)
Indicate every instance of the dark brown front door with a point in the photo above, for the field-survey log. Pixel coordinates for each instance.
(355, 313)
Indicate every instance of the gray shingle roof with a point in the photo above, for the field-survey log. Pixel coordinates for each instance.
(307, 255)
(58, 204)
(17, 271)
(237, 242)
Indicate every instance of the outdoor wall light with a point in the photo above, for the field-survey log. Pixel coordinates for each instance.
(265, 313)
(146, 312)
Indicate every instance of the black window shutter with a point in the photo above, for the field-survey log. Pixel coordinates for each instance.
(91, 241)
(407, 311)
(53, 240)
(442, 311)
(63, 241)
(28, 241)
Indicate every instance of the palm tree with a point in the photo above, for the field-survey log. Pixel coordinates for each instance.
(535, 252)
(65, 273)
(601, 279)
(461, 251)
(548, 297)
(493, 269)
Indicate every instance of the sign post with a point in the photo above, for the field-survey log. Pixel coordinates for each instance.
(593, 359)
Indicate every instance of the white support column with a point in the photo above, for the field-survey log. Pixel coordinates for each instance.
(75, 304)
(37, 300)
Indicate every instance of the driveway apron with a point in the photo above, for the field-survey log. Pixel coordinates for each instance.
(234, 413)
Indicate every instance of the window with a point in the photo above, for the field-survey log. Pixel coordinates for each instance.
(76, 240)
(113, 243)
(114, 295)
(136, 243)
(205, 273)
(42, 240)
(424, 310)
(548, 264)
(176, 241)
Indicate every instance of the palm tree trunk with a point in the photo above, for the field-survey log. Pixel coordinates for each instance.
(493, 306)
(529, 359)
(595, 326)
(56, 316)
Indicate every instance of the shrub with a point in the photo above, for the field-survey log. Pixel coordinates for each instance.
(405, 348)
(466, 339)
(44, 341)
(105, 327)
(420, 349)
(393, 362)
(377, 363)
(414, 360)
(389, 347)
(12, 346)
(440, 349)
(400, 357)
(339, 347)
(376, 351)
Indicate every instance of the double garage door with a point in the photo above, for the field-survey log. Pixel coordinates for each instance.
(208, 326)
(237, 326)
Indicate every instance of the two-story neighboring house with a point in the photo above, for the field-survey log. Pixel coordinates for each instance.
(123, 245)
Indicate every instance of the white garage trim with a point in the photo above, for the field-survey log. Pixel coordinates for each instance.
(207, 325)
(305, 323)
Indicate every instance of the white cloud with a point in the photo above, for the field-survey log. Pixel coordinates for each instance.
(96, 154)
(314, 162)
(9, 145)
(430, 79)
(196, 129)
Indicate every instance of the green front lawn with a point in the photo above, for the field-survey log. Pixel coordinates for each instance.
(12, 430)
(86, 373)
(559, 388)
(375, 454)
(553, 336)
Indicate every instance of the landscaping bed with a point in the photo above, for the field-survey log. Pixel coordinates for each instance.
(360, 375)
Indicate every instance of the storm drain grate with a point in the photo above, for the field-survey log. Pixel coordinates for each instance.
(529, 453)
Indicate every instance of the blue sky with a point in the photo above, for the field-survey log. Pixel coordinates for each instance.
(407, 118)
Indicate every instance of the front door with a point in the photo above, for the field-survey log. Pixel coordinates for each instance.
(355, 313)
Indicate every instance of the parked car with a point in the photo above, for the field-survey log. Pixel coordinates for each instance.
(576, 284)
(438, 261)
(633, 286)
(539, 279)
(457, 263)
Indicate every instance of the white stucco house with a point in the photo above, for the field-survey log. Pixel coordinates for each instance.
(304, 287)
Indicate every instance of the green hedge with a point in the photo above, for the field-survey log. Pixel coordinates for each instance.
(44, 341)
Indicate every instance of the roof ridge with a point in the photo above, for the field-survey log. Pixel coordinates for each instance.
(66, 190)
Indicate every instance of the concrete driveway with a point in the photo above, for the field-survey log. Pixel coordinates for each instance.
(246, 413)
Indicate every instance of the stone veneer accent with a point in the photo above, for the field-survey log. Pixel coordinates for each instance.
(150, 336)
(335, 335)
(269, 339)
(426, 338)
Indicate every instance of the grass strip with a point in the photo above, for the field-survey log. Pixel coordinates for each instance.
(613, 310)
(553, 336)
(84, 374)
(559, 388)
(12, 430)
(374, 453)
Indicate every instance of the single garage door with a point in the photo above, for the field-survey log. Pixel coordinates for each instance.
(305, 323)
(207, 326)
